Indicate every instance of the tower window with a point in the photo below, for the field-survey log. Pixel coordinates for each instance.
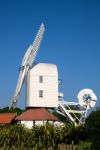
(41, 79)
(40, 93)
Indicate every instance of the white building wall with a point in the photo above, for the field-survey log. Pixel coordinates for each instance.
(28, 124)
(49, 86)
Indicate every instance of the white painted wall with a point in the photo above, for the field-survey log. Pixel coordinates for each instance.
(49, 86)
(29, 124)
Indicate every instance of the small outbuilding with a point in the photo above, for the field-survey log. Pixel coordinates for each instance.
(36, 116)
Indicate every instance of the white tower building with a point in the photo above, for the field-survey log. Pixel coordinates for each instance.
(42, 86)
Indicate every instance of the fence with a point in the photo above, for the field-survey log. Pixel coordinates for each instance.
(71, 147)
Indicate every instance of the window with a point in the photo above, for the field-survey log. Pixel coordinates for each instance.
(40, 93)
(41, 79)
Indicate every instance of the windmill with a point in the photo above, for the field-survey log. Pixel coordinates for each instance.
(42, 87)
(27, 62)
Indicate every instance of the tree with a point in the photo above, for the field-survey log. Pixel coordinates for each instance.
(93, 126)
(93, 120)
(7, 110)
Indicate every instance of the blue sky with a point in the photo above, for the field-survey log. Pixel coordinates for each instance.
(71, 40)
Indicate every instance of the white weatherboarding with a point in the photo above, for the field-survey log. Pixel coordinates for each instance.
(42, 87)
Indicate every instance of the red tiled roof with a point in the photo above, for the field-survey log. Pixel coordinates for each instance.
(6, 118)
(37, 114)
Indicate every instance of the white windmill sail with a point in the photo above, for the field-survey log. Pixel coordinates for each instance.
(27, 62)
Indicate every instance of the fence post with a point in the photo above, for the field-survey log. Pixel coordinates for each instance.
(61, 147)
(67, 146)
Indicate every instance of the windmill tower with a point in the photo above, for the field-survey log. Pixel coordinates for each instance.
(42, 86)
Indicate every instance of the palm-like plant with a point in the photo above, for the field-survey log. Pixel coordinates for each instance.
(39, 137)
(14, 136)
